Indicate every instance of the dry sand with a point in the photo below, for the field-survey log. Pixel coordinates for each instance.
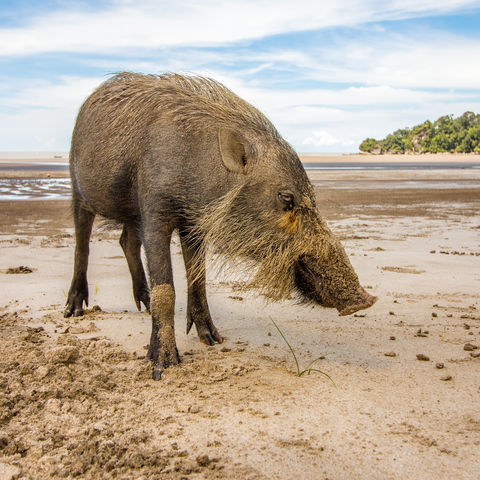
(76, 399)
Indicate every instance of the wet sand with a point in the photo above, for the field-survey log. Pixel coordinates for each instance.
(77, 400)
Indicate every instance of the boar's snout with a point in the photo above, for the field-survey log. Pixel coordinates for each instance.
(332, 284)
(361, 301)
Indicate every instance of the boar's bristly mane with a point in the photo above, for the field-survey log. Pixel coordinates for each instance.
(194, 102)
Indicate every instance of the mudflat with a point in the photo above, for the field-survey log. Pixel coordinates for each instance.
(77, 399)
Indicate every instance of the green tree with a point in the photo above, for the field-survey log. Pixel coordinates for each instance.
(446, 134)
(370, 145)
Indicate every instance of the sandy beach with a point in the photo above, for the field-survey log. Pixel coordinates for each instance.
(77, 400)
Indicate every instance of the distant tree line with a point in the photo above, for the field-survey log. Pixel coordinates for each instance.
(447, 134)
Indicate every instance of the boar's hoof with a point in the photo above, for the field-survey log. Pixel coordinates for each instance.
(76, 298)
(142, 297)
(206, 330)
(70, 310)
(210, 338)
(159, 367)
(157, 373)
(139, 305)
(162, 361)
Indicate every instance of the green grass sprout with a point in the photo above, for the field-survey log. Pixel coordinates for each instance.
(310, 368)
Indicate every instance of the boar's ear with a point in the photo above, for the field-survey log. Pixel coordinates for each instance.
(232, 150)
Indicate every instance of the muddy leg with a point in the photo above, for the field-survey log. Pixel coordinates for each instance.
(163, 349)
(78, 292)
(131, 246)
(198, 312)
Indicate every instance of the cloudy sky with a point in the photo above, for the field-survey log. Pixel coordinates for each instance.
(327, 73)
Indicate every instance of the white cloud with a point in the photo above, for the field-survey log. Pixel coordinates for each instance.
(36, 130)
(387, 67)
(321, 138)
(67, 91)
(353, 96)
(153, 24)
(41, 116)
(432, 59)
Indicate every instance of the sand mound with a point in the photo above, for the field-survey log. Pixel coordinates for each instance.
(68, 410)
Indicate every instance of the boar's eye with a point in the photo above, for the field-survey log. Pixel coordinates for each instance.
(286, 199)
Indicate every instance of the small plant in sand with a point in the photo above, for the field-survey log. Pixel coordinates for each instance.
(309, 368)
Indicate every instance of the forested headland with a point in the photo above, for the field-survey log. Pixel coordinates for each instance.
(447, 134)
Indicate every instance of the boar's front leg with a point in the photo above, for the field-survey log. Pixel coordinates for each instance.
(78, 293)
(198, 312)
(131, 245)
(162, 350)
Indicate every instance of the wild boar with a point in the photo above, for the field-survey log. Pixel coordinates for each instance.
(158, 153)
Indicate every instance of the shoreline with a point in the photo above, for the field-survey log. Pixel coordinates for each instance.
(16, 158)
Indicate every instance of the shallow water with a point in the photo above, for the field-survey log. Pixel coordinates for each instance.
(60, 188)
(35, 166)
(35, 188)
(393, 166)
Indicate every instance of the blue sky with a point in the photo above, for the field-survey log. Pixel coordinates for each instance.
(327, 73)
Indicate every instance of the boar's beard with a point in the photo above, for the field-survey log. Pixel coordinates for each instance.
(258, 243)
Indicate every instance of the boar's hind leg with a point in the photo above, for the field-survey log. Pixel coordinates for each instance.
(78, 292)
(197, 307)
(162, 350)
(131, 246)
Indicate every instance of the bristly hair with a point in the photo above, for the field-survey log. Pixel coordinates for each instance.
(192, 101)
(227, 235)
